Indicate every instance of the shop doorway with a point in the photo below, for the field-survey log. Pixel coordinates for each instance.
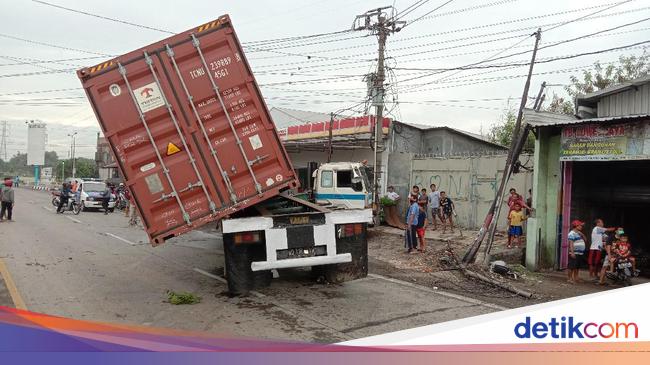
(617, 192)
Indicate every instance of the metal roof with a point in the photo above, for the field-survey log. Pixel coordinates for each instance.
(546, 119)
(285, 117)
(454, 130)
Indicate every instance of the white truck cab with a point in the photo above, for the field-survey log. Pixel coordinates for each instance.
(342, 185)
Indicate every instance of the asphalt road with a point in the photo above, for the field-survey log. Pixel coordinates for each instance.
(95, 267)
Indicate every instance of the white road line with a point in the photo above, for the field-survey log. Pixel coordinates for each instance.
(203, 272)
(47, 208)
(440, 292)
(73, 219)
(121, 239)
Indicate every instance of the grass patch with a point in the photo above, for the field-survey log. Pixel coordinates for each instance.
(182, 298)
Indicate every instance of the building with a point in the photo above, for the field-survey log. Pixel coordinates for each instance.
(465, 165)
(593, 165)
(105, 162)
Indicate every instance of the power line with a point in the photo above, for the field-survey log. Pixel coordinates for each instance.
(104, 17)
(410, 9)
(436, 8)
(53, 45)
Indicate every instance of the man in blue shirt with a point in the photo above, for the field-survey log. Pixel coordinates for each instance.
(411, 227)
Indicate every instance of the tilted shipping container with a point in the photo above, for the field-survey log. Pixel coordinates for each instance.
(189, 129)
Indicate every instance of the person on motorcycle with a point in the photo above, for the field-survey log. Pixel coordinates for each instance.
(63, 199)
(623, 251)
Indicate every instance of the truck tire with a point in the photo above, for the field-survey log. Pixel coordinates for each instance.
(241, 279)
(357, 269)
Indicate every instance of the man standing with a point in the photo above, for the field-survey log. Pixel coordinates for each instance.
(434, 204)
(391, 194)
(411, 227)
(106, 197)
(595, 250)
(7, 203)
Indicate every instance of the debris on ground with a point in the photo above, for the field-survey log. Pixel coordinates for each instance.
(182, 298)
(500, 267)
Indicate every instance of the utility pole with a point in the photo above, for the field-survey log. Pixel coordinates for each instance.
(329, 143)
(72, 153)
(3, 141)
(518, 140)
(378, 23)
(540, 97)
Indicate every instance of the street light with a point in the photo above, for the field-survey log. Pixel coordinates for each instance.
(72, 153)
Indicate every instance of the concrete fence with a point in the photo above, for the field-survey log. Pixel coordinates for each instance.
(471, 182)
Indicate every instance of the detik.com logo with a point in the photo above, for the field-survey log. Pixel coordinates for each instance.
(568, 327)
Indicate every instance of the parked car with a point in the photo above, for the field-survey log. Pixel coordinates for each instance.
(90, 195)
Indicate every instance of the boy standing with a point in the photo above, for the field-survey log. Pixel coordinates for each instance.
(434, 204)
(422, 222)
(515, 221)
(577, 249)
(447, 207)
(595, 250)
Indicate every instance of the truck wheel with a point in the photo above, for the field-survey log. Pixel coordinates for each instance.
(241, 279)
(337, 273)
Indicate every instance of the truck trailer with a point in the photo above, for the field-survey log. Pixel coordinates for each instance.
(195, 143)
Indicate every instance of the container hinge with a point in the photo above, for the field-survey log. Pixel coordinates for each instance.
(213, 207)
(170, 51)
(147, 58)
(259, 189)
(195, 41)
(186, 217)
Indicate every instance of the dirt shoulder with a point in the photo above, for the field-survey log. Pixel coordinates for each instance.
(436, 269)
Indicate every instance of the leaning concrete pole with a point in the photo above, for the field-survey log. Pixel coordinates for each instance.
(490, 223)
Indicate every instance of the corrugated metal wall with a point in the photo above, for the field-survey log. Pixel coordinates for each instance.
(626, 103)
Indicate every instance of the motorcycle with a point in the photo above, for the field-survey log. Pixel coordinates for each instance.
(622, 272)
(56, 196)
(72, 206)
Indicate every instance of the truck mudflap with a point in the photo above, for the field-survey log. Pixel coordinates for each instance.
(339, 242)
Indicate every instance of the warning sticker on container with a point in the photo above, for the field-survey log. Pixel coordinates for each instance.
(154, 184)
(149, 97)
(172, 149)
(255, 141)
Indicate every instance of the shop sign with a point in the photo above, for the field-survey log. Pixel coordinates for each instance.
(601, 142)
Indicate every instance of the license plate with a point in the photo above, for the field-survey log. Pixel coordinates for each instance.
(296, 253)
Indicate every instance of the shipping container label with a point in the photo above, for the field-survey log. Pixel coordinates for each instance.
(154, 184)
(149, 97)
(256, 142)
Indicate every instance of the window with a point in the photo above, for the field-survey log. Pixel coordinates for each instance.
(346, 179)
(326, 179)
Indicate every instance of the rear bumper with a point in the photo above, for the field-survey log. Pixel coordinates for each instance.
(301, 262)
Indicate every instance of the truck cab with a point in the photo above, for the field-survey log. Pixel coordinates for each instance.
(342, 185)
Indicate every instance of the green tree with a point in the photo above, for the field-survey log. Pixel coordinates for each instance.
(600, 77)
(501, 131)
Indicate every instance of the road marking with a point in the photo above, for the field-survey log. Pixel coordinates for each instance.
(47, 208)
(440, 292)
(73, 219)
(121, 239)
(11, 286)
(203, 272)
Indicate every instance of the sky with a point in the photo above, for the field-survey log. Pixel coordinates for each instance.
(322, 74)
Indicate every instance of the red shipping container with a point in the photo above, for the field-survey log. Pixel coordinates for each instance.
(189, 129)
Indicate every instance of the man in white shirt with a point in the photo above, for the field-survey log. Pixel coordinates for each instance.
(391, 194)
(595, 250)
(434, 204)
